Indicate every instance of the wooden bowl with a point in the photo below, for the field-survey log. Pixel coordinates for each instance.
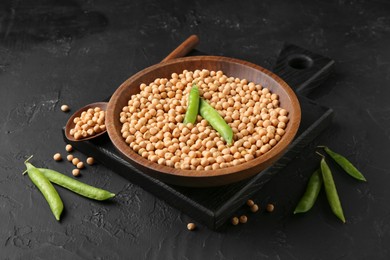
(70, 124)
(230, 67)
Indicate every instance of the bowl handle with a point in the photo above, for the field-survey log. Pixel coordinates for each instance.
(184, 48)
(303, 70)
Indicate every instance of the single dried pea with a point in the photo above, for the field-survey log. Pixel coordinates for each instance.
(270, 207)
(75, 161)
(80, 165)
(243, 219)
(90, 160)
(235, 221)
(75, 172)
(191, 226)
(65, 108)
(250, 203)
(254, 208)
(57, 157)
(68, 148)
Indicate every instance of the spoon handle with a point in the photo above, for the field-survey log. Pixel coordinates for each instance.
(184, 48)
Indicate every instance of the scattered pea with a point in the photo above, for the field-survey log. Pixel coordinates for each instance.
(75, 161)
(250, 203)
(68, 148)
(191, 226)
(65, 108)
(254, 208)
(80, 165)
(69, 157)
(57, 157)
(270, 207)
(243, 219)
(75, 172)
(235, 221)
(90, 160)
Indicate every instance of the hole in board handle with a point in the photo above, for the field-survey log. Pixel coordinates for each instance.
(299, 61)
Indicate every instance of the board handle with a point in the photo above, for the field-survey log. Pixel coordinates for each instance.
(303, 70)
(183, 49)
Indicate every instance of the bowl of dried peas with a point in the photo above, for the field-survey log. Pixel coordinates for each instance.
(245, 118)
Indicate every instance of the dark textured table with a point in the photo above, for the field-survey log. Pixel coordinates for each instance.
(76, 52)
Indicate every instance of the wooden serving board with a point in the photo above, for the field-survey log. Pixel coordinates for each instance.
(303, 71)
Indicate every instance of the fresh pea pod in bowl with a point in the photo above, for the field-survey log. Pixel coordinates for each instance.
(216, 121)
(193, 105)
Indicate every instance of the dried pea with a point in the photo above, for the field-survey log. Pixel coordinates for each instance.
(191, 226)
(235, 221)
(243, 219)
(57, 157)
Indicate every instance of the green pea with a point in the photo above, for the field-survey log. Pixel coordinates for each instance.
(331, 191)
(193, 106)
(76, 186)
(311, 193)
(216, 121)
(345, 164)
(47, 189)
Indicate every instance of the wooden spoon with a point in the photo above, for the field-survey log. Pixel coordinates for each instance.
(70, 124)
(183, 49)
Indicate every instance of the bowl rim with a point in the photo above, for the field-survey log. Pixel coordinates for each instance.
(268, 157)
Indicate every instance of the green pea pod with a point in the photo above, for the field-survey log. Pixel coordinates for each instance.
(331, 191)
(311, 193)
(47, 189)
(345, 164)
(193, 106)
(76, 186)
(216, 121)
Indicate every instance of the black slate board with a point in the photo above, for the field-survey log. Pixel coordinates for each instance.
(303, 70)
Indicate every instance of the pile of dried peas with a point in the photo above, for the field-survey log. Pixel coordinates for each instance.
(152, 121)
(89, 123)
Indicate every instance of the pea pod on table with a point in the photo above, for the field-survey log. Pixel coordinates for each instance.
(345, 164)
(193, 106)
(216, 121)
(76, 186)
(331, 191)
(46, 188)
(311, 193)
